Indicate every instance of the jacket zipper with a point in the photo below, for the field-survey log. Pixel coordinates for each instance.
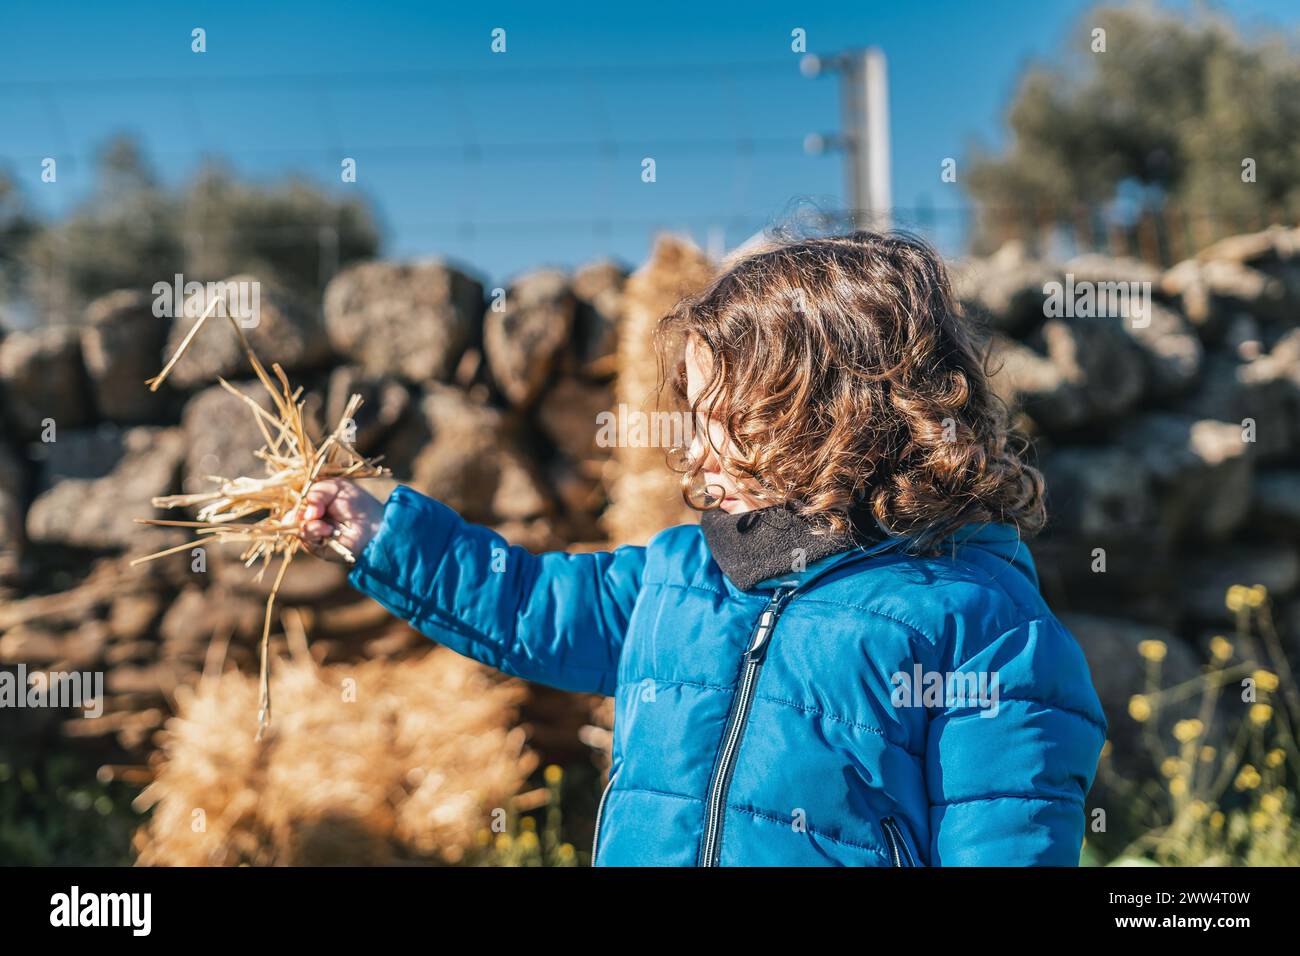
(600, 812)
(897, 845)
(755, 653)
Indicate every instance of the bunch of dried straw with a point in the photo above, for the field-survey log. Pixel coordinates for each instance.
(376, 763)
(262, 513)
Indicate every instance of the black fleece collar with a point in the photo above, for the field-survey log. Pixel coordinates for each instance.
(757, 545)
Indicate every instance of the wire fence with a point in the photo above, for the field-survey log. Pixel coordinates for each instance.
(1160, 236)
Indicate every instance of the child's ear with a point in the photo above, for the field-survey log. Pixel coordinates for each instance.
(679, 378)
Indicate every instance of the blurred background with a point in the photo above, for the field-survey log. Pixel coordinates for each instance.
(387, 175)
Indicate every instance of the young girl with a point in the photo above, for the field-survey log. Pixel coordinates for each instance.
(848, 661)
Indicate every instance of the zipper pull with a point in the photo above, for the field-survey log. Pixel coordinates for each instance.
(758, 646)
(766, 622)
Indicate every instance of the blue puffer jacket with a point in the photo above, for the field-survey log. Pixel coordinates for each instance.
(774, 726)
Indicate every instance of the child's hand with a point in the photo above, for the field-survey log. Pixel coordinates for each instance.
(340, 511)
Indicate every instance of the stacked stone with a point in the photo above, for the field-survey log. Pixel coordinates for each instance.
(485, 398)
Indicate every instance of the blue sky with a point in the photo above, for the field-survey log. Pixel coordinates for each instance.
(510, 161)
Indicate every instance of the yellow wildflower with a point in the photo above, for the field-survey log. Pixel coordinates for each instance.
(1153, 651)
(1247, 778)
(1265, 680)
(1236, 598)
(1139, 708)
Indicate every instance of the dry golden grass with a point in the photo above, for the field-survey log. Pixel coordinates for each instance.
(374, 763)
(645, 496)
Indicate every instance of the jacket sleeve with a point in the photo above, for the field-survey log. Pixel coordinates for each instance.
(1007, 777)
(557, 619)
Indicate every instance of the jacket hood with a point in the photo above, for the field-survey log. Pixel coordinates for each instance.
(1002, 541)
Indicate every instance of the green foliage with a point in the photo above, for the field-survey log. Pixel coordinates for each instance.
(294, 233)
(533, 839)
(16, 230)
(54, 812)
(1215, 806)
(1166, 114)
(132, 233)
(124, 237)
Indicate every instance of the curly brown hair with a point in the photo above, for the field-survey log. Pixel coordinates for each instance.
(849, 384)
